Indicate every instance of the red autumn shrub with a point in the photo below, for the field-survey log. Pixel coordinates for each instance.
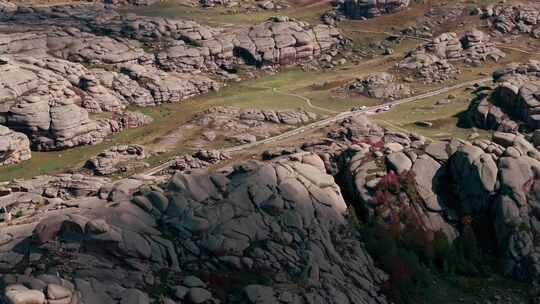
(390, 182)
(374, 144)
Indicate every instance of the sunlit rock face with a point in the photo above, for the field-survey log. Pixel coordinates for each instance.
(14, 147)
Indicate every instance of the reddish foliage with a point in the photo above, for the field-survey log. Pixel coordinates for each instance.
(396, 200)
(381, 197)
(390, 182)
(407, 176)
(374, 144)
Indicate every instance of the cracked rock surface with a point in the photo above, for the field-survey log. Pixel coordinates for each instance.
(276, 231)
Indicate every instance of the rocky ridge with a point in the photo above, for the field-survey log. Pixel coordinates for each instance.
(398, 179)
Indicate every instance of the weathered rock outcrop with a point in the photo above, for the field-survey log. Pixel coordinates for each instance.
(432, 61)
(389, 177)
(44, 105)
(501, 181)
(281, 40)
(285, 219)
(378, 85)
(200, 160)
(514, 101)
(514, 18)
(66, 61)
(246, 125)
(14, 147)
(217, 115)
(190, 46)
(117, 159)
(358, 9)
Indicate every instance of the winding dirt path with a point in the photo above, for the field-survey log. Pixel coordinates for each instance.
(303, 98)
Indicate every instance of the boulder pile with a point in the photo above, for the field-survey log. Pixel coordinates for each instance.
(63, 62)
(117, 159)
(399, 178)
(43, 104)
(190, 46)
(14, 147)
(246, 125)
(216, 116)
(285, 218)
(359, 9)
(513, 102)
(199, 160)
(378, 85)
(431, 62)
(514, 18)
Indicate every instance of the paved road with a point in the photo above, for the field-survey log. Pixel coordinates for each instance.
(325, 122)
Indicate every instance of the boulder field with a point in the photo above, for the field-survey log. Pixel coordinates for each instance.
(507, 18)
(278, 230)
(432, 61)
(358, 9)
(60, 64)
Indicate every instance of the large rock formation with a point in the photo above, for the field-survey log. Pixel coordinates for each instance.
(14, 147)
(378, 85)
(43, 105)
(284, 41)
(285, 218)
(63, 62)
(500, 181)
(431, 61)
(514, 101)
(117, 159)
(189, 47)
(259, 231)
(390, 176)
(48, 99)
(199, 160)
(514, 18)
(246, 125)
(358, 9)
(393, 176)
